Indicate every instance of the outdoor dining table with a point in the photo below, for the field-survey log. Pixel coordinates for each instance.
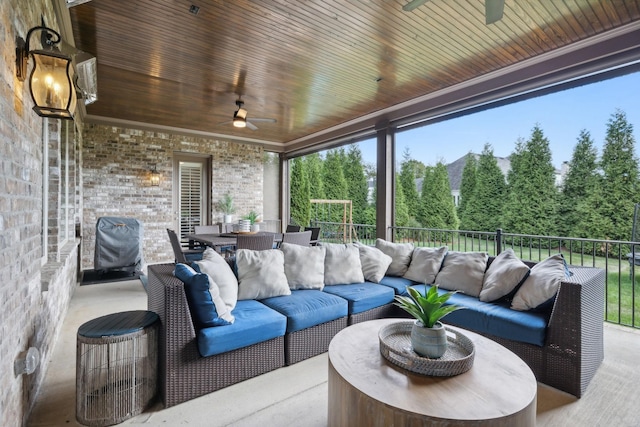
(221, 240)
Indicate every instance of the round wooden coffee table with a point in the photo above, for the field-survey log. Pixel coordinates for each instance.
(365, 389)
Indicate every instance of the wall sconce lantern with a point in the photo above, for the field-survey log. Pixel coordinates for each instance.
(51, 81)
(155, 177)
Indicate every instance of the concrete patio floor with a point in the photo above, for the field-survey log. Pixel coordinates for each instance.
(297, 395)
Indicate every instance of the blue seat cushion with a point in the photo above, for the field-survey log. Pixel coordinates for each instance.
(399, 284)
(496, 319)
(362, 296)
(305, 308)
(255, 322)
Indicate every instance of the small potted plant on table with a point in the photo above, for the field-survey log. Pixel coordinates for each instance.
(253, 216)
(225, 205)
(428, 335)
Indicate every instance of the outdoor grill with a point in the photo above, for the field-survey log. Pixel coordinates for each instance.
(118, 245)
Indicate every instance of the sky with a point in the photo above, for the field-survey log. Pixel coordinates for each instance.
(561, 116)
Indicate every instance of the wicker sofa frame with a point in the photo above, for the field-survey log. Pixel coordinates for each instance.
(568, 361)
(574, 347)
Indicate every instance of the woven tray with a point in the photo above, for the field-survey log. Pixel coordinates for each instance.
(395, 346)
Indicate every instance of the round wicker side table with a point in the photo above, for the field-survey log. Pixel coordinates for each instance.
(116, 367)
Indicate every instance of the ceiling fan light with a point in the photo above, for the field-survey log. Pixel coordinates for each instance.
(240, 118)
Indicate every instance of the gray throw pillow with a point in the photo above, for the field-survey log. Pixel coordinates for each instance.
(374, 262)
(463, 272)
(342, 265)
(425, 264)
(541, 285)
(503, 275)
(261, 274)
(304, 266)
(400, 254)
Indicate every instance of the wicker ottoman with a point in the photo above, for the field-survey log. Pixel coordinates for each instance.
(116, 367)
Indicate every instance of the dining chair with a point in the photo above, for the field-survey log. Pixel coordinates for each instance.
(291, 228)
(206, 229)
(257, 242)
(183, 255)
(302, 238)
(315, 235)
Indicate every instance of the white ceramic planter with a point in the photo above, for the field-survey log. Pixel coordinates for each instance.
(429, 342)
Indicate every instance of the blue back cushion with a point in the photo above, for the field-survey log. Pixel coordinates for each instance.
(196, 288)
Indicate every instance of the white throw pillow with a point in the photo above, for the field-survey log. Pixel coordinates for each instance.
(374, 262)
(400, 254)
(261, 274)
(425, 264)
(304, 266)
(215, 266)
(342, 265)
(541, 285)
(504, 274)
(463, 272)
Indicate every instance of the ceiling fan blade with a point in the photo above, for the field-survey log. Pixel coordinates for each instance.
(413, 4)
(263, 120)
(251, 125)
(228, 122)
(493, 10)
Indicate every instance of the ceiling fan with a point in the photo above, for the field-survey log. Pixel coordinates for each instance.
(493, 9)
(240, 118)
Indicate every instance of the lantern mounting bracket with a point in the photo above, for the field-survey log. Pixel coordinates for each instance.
(22, 48)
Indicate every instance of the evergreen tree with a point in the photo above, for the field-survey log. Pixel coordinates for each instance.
(437, 209)
(532, 202)
(313, 166)
(401, 209)
(578, 182)
(357, 188)
(484, 209)
(408, 174)
(467, 190)
(300, 207)
(335, 185)
(613, 195)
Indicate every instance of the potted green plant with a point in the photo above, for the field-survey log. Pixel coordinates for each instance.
(253, 217)
(225, 205)
(428, 335)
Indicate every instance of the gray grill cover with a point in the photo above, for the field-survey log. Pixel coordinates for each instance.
(118, 244)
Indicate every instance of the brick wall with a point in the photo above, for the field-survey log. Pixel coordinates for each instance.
(33, 297)
(116, 181)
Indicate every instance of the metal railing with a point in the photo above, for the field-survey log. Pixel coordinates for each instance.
(618, 258)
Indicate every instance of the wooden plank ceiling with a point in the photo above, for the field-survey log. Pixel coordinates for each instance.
(312, 64)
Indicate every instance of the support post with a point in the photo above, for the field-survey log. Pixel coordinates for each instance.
(385, 181)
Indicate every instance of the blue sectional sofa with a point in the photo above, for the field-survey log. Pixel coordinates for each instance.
(561, 341)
